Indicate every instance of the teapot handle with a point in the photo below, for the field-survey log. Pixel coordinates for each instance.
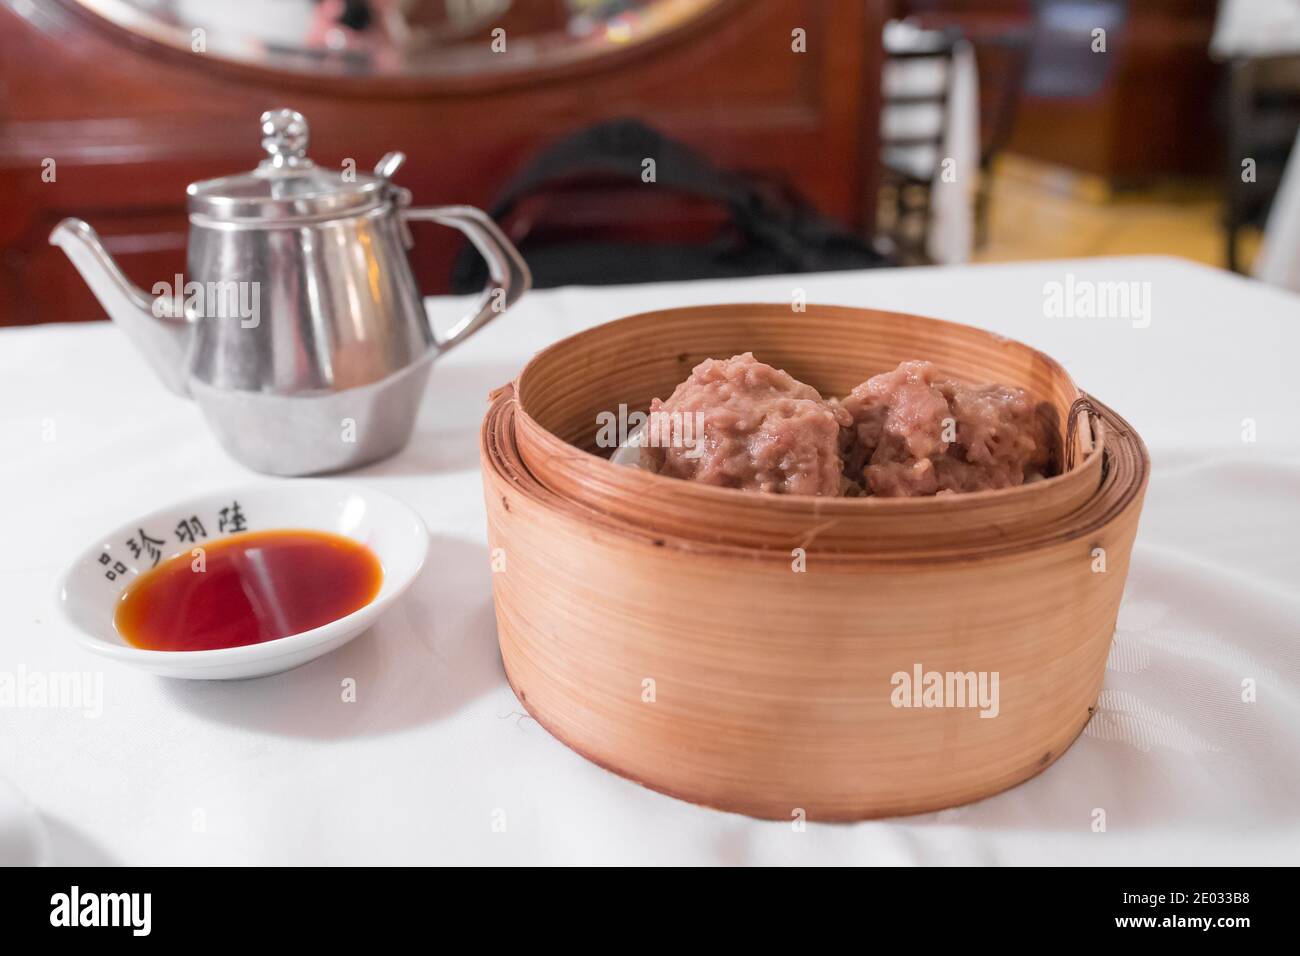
(508, 275)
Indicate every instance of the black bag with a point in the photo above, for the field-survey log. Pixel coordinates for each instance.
(766, 232)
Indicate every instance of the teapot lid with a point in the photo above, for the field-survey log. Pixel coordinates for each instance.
(287, 186)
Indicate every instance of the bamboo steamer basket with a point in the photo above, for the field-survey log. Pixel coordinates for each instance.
(672, 640)
(632, 360)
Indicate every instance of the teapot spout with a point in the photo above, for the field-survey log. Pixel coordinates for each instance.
(163, 339)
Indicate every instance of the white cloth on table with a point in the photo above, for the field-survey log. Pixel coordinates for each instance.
(23, 837)
(436, 749)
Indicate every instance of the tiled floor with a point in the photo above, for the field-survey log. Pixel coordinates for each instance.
(1042, 212)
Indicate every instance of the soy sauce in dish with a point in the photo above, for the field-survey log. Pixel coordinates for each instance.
(254, 587)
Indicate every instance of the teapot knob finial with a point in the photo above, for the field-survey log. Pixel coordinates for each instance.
(284, 137)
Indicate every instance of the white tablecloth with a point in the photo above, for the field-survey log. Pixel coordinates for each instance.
(436, 749)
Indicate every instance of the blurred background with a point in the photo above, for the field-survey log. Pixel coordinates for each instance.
(787, 135)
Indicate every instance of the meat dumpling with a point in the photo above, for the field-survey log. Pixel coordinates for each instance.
(914, 432)
(739, 423)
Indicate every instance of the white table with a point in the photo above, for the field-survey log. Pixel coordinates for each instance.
(279, 770)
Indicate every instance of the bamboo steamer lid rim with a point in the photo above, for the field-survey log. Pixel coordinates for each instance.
(1084, 431)
(498, 431)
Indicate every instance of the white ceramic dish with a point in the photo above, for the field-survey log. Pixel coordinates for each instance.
(628, 454)
(90, 588)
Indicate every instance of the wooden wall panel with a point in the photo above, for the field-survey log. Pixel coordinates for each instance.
(130, 124)
(1154, 113)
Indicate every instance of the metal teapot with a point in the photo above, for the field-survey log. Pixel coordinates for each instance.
(299, 329)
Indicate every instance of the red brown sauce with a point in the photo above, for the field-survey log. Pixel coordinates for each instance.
(254, 587)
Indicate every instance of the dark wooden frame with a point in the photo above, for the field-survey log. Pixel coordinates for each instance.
(129, 127)
(66, 12)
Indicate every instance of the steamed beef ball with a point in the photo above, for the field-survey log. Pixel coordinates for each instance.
(914, 433)
(761, 430)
